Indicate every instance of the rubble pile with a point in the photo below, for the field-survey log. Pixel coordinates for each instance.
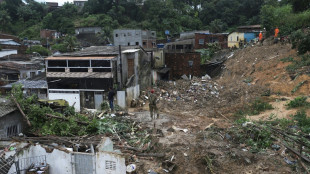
(198, 91)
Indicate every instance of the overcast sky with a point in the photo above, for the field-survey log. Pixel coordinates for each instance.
(60, 2)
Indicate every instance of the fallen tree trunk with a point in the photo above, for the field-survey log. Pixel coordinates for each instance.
(66, 119)
(21, 111)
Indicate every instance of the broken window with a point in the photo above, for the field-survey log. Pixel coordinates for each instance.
(201, 41)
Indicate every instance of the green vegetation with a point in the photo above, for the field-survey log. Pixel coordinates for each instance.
(173, 15)
(39, 49)
(207, 54)
(70, 123)
(304, 60)
(300, 101)
(298, 86)
(287, 59)
(254, 108)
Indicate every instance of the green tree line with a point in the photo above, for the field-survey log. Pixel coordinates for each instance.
(26, 18)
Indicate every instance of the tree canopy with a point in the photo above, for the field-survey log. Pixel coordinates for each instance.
(24, 18)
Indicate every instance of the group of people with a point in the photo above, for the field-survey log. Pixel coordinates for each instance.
(261, 37)
(152, 102)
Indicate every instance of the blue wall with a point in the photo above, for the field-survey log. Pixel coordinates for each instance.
(249, 36)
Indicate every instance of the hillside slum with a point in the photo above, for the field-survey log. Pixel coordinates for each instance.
(251, 118)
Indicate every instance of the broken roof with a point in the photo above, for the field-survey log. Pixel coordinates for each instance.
(98, 51)
(80, 58)
(29, 84)
(6, 107)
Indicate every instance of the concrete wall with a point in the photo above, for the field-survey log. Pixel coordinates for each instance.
(59, 161)
(234, 39)
(25, 74)
(159, 58)
(209, 38)
(93, 30)
(132, 93)
(121, 99)
(127, 37)
(71, 96)
(14, 118)
(178, 62)
(63, 161)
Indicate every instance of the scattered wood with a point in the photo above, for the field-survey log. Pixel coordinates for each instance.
(21, 111)
(159, 155)
(297, 153)
(66, 119)
(129, 148)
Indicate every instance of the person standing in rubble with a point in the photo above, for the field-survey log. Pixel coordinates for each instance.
(260, 38)
(111, 98)
(152, 105)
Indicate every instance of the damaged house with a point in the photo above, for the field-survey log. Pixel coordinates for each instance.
(11, 120)
(182, 57)
(46, 156)
(83, 78)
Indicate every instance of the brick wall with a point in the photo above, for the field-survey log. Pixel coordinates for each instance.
(222, 39)
(178, 62)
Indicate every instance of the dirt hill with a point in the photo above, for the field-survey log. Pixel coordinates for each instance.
(196, 115)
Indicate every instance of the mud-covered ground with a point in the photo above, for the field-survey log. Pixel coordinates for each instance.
(196, 114)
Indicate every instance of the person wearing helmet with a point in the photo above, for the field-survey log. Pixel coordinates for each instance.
(152, 104)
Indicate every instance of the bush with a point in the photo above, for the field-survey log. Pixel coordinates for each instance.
(254, 108)
(39, 49)
(301, 41)
(298, 102)
(60, 47)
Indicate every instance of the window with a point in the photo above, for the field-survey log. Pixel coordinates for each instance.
(12, 131)
(116, 35)
(137, 43)
(129, 34)
(144, 43)
(201, 41)
(128, 43)
(237, 38)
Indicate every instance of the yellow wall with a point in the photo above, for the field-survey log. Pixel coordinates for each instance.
(232, 39)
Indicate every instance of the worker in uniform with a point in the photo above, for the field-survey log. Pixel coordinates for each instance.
(152, 105)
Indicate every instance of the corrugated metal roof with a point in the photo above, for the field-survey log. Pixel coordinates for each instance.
(130, 51)
(27, 84)
(6, 107)
(80, 58)
(98, 51)
(80, 74)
